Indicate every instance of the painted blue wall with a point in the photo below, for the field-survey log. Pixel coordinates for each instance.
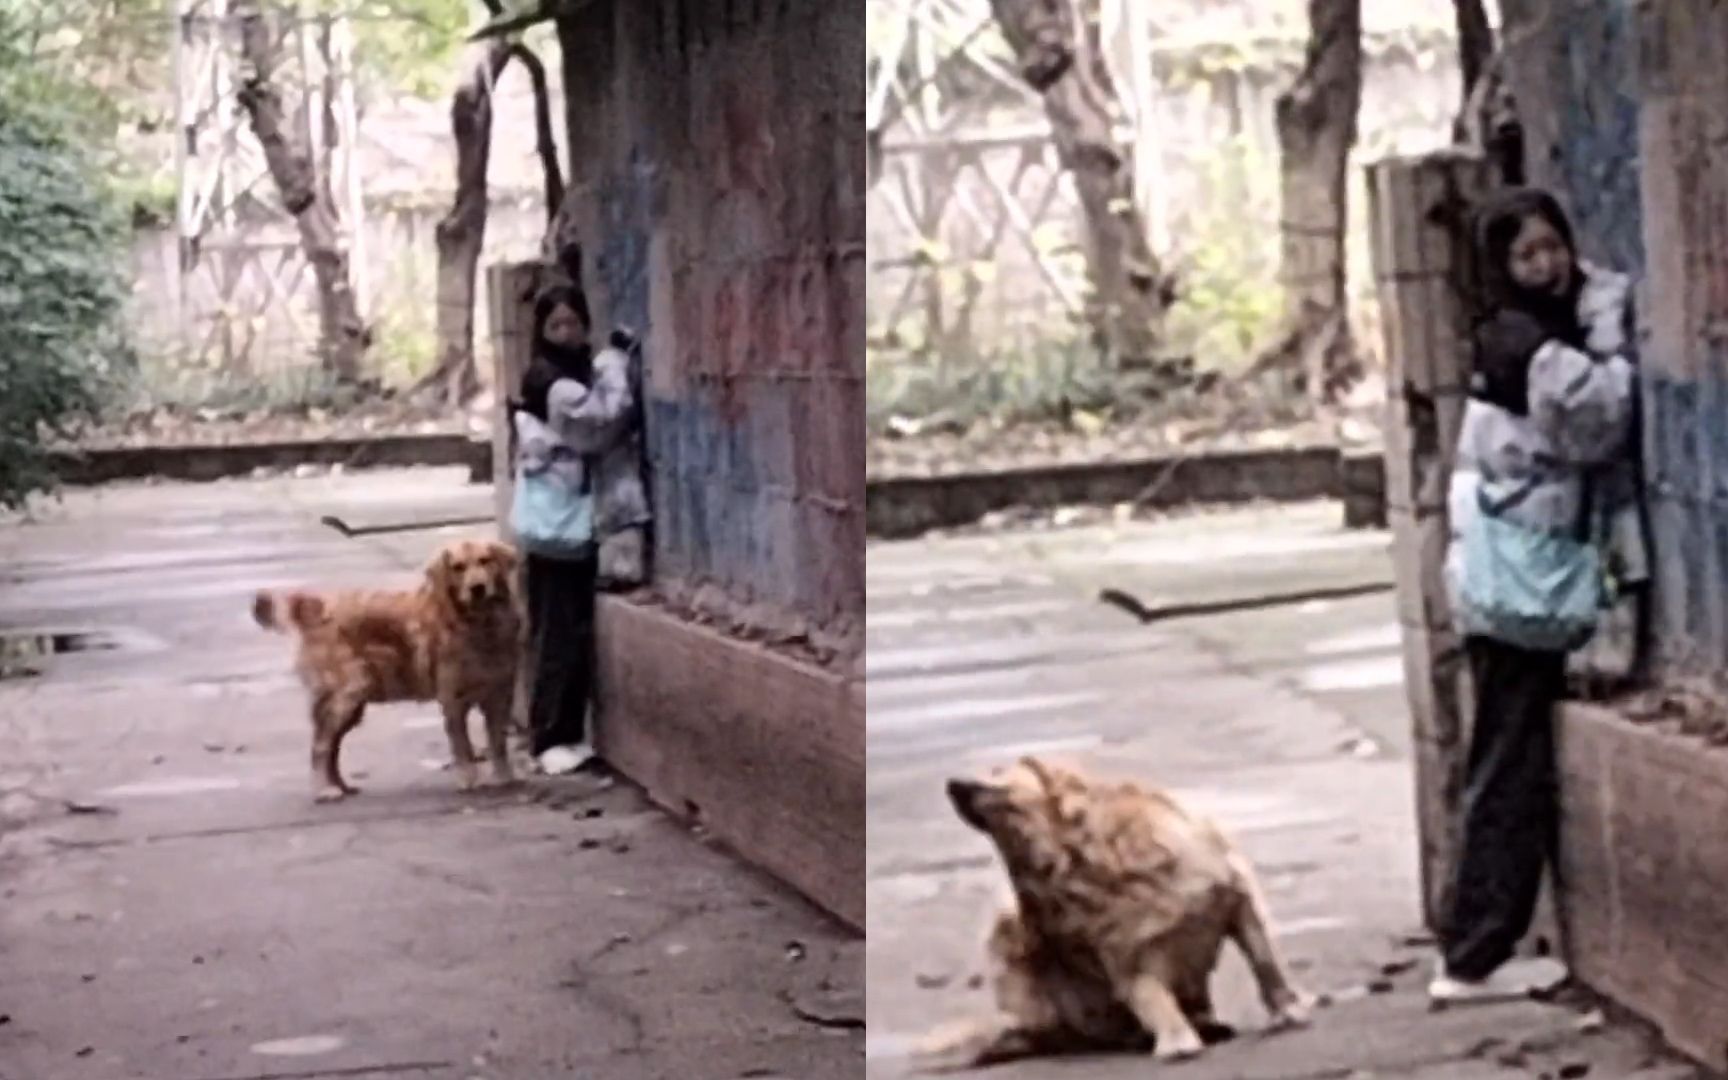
(717, 184)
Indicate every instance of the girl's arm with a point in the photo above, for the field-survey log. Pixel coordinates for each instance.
(590, 419)
(1582, 406)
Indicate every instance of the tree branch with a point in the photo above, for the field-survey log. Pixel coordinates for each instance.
(501, 25)
(544, 140)
(1475, 41)
(461, 234)
(343, 335)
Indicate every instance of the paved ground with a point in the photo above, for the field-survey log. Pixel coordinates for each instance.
(1286, 723)
(175, 908)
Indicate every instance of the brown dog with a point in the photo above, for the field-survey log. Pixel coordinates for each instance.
(1123, 902)
(456, 640)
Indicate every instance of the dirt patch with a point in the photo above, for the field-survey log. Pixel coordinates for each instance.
(182, 426)
(931, 448)
(1694, 711)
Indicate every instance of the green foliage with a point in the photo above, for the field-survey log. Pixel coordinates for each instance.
(410, 46)
(1229, 305)
(407, 342)
(61, 292)
(1229, 301)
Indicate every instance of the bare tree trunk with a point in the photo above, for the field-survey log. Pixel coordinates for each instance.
(1488, 122)
(1316, 121)
(544, 141)
(343, 335)
(461, 234)
(1475, 43)
(1060, 59)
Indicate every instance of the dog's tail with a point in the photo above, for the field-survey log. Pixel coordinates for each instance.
(284, 612)
(979, 1043)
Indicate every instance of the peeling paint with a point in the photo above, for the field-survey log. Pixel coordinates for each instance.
(719, 180)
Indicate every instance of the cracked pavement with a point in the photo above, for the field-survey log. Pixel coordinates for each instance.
(174, 907)
(1287, 722)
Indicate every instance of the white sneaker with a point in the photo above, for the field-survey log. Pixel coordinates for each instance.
(563, 760)
(1512, 981)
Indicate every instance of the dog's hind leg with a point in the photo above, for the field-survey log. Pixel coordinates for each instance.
(332, 719)
(1158, 1011)
(1252, 933)
(461, 750)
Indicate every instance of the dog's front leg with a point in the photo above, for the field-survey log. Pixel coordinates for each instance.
(461, 750)
(1156, 1007)
(1194, 994)
(497, 714)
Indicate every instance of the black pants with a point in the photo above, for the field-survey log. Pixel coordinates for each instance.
(561, 648)
(1511, 804)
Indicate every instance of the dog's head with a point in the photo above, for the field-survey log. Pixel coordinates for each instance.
(1020, 806)
(474, 574)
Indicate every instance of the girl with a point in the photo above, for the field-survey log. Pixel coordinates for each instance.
(1547, 451)
(577, 421)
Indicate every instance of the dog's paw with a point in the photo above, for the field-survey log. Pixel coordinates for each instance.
(1295, 1012)
(1213, 1032)
(1182, 1047)
(330, 793)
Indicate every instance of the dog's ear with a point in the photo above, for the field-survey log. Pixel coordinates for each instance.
(438, 573)
(1045, 774)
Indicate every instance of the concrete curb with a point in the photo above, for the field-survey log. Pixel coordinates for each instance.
(764, 752)
(900, 507)
(215, 461)
(1642, 867)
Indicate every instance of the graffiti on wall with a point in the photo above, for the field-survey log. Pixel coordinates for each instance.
(715, 203)
(1596, 152)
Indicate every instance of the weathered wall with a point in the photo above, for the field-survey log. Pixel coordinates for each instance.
(1573, 67)
(718, 185)
(1684, 80)
(1645, 869)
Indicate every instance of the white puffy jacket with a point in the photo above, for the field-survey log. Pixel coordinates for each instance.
(1532, 468)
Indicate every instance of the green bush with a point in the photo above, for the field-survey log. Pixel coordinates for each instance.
(62, 255)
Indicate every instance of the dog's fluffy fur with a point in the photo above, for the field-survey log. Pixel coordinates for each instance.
(456, 640)
(1123, 900)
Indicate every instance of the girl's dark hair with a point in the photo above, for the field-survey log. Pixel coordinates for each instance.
(550, 362)
(553, 298)
(1498, 225)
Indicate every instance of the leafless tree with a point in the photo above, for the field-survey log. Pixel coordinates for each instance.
(1316, 121)
(343, 335)
(1059, 56)
(461, 233)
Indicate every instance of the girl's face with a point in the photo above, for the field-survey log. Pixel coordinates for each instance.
(564, 327)
(1539, 259)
